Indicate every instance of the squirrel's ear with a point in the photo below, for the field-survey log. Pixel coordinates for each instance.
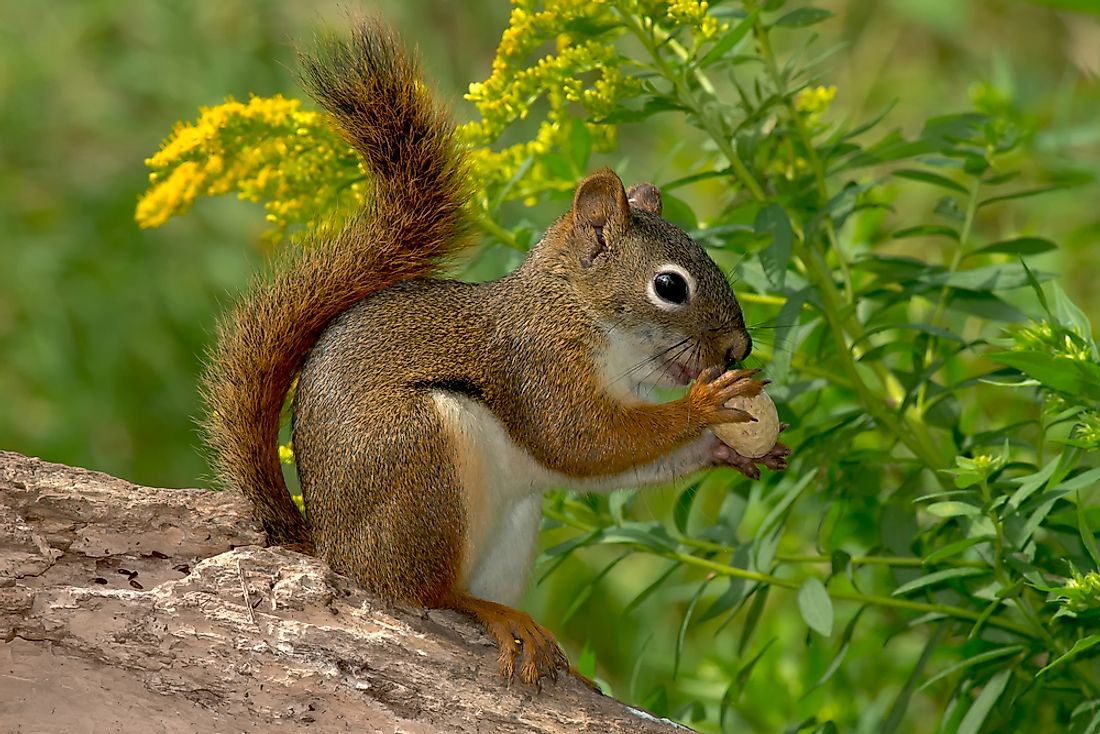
(600, 209)
(645, 196)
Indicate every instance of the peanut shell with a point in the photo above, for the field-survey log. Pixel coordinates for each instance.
(751, 439)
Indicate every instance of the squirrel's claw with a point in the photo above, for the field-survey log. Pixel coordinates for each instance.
(527, 650)
(713, 388)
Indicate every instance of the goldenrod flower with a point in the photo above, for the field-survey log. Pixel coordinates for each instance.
(267, 150)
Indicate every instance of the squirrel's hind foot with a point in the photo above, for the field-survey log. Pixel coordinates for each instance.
(528, 651)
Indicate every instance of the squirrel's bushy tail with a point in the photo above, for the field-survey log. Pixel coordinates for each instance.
(413, 219)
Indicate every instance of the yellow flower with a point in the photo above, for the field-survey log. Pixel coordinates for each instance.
(266, 149)
(695, 15)
(269, 150)
(814, 102)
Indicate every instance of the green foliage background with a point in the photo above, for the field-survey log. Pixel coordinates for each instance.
(102, 326)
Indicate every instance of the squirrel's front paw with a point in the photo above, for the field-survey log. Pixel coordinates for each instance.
(713, 388)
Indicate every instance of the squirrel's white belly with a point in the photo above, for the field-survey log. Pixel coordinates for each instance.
(503, 488)
(503, 497)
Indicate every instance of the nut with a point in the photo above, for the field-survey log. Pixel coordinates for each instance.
(756, 439)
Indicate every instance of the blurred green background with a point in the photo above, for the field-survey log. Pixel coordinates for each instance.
(103, 325)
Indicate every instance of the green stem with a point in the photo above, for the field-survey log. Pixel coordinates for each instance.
(707, 545)
(842, 320)
(895, 561)
(723, 569)
(941, 303)
(711, 126)
(488, 224)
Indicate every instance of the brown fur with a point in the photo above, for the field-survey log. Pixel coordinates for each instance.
(376, 339)
(414, 220)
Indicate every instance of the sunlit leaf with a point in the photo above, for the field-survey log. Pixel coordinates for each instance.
(816, 606)
(983, 704)
(1018, 246)
(773, 221)
(937, 577)
(952, 509)
(731, 38)
(929, 177)
(972, 661)
(801, 17)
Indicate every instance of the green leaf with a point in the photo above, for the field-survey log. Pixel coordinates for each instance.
(566, 547)
(985, 306)
(1078, 647)
(952, 509)
(746, 669)
(992, 277)
(971, 661)
(1080, 6)
(840, 140)
(772, 519)
(982, 705)
(647, 535)
(892, 147)
(580, 146)
(816, 606)
(946, 131)
(927, 230)
(1088, 539)
(753, 617)
(1018, 195)
(586, 590)
(682, 510)
(953, 549)
(936, 577)
(731, 39)
(1037, 516)
(1068, 314)
(734, 594)
(764, 547)
(921, 327)
(648, 591)
(732, 511)
(935, 179)
(652, 106)
(586, 662)
(1031, 483)
(1018, 246)
(677, 211)
(787, 320)
(1074, 377)
(948, 208)
(901, 702)
(838, 658)
(802, 17)
(773, 221)
(684, 626)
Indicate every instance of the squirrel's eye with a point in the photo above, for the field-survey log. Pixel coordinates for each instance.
(671, 287)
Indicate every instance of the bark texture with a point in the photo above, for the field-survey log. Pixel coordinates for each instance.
(132, 609)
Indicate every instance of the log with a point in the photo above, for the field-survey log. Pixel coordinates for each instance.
(134, 609)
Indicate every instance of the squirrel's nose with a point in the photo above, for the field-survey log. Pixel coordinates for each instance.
(741, 348)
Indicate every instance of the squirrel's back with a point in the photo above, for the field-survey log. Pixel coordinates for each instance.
(413, 219)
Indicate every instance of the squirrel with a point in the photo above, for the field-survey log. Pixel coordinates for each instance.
(429, 415)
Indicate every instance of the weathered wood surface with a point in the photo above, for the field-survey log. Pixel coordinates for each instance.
(131, 609)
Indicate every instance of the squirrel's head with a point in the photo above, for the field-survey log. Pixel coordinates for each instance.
(665, 306)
